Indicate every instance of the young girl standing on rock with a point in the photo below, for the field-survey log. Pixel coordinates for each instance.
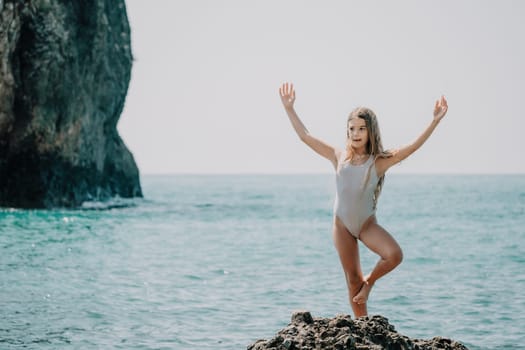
(360, 170)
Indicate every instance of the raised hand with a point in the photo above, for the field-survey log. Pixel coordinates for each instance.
(440, 109)
(287, 93)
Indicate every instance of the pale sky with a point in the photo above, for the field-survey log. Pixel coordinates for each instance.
(203, 97)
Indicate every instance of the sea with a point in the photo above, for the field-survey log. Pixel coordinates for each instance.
(220, 261)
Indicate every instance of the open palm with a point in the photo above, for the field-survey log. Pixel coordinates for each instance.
(440, 109)
(287, 93)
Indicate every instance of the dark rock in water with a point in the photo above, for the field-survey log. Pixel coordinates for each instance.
(65, 68)
(342, 332)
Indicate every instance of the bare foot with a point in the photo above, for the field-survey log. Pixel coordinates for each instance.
(362, 296)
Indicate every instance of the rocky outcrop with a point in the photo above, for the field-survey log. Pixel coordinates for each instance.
(64, 72)
(342, 332)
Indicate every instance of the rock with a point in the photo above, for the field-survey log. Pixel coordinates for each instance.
(65, 68)
(302, 317)
(341, 332)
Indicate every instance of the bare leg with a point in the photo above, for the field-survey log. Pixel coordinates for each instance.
(348, 249)
(378, 240)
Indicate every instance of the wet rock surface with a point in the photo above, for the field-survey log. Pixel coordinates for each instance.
(65, 68)
(343, 332)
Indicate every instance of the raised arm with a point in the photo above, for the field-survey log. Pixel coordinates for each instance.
(287, 93)
(383, 164)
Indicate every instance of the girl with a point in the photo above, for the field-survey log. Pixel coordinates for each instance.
(360, 170)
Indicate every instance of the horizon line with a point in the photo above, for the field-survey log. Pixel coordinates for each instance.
(317, 173)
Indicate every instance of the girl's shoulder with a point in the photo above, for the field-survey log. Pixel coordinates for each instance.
(339, 157)
(383, 161)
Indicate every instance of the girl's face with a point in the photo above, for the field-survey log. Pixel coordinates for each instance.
(357, 133)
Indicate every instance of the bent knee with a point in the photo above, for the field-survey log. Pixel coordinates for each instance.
(394, 257)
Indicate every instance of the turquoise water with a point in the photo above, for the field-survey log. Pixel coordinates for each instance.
(216, 262)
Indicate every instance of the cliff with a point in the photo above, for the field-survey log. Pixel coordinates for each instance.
(65, 67)
(342, 332)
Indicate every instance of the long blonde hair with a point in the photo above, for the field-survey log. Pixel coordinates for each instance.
(374, 146)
